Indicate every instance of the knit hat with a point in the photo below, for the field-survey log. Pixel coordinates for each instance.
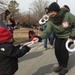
(5, 34)
(54, 7)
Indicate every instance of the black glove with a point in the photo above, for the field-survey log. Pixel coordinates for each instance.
(18, 45)
(27, 48)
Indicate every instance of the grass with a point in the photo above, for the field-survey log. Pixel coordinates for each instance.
(21, 35)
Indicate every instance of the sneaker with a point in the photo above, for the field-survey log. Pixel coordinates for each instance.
(51, 46)
(47, 48)
(57, 69)
(63, 71)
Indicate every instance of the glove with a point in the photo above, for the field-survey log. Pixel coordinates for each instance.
(27, 48)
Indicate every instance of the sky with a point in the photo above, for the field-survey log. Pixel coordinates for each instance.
(24, 5)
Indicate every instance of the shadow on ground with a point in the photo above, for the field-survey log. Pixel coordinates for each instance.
(44, 70)
(31, 56)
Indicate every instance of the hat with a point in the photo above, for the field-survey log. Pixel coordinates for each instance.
(54, 7)
(5, 35)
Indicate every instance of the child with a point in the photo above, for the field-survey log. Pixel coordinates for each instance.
(31, 34)
(9, 53)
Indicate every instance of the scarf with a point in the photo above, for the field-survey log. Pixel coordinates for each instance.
(59, 17)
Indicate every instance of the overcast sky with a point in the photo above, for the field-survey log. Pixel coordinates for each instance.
(25, 4)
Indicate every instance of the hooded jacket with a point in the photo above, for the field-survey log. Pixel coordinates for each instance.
(9, 55)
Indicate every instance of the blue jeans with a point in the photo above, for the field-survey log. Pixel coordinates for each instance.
(50, 38)
(45, 43)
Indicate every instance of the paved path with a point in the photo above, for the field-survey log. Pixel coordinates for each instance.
(42, 62)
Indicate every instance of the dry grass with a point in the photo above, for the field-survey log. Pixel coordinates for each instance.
(22, 34)
(20, 37)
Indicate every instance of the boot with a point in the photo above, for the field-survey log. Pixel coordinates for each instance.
(58, 69)
(63, 71)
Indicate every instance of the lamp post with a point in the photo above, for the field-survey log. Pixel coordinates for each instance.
(29, 19)
(57, 1)
(29, 15)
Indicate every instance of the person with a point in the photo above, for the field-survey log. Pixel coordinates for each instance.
(46, 10)
(62, 22)
(12, 20)
(31, 34)
(6, 14)
(9, 20)
(9, 53)
(50, 37)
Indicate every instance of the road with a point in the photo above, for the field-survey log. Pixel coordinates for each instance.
(42, 62)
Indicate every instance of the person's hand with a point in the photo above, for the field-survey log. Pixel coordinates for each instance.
(35, 40)
(70, 40)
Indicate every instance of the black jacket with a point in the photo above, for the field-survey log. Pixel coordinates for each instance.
(9, 55)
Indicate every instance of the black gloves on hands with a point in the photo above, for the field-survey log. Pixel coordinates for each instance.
(27, 48)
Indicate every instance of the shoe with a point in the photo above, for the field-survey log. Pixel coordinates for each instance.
(63, 71)
(51, 46)
(58, 69)
(47, 48)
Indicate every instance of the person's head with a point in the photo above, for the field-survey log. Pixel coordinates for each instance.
(53, 9)
(5, 35)
(67, 7)
(7, 12)
(46, 9)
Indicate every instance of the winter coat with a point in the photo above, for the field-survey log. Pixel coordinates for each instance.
(9, 55)
(55, 24)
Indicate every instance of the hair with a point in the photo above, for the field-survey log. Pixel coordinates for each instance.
(7, 12)
(46, 8)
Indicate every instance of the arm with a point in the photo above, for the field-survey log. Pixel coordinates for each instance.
(14, 51)
(72, 24)
(45, 33)
(71, 18)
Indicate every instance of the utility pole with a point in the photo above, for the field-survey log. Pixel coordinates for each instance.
(29, 20)
(57, 1)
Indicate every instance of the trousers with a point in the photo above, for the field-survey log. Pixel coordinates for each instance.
(61, 53)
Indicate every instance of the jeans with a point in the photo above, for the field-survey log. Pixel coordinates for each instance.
(50, 38)
(45, 43)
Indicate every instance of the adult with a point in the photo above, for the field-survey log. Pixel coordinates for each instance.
(50, 37)
(63, 23)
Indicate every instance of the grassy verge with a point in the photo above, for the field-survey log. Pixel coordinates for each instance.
(21, 35)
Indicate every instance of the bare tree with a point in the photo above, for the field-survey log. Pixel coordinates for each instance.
(38, 8)
(3, 5)
(36, 11)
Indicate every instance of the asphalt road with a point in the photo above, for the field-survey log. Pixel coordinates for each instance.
(42, 62)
